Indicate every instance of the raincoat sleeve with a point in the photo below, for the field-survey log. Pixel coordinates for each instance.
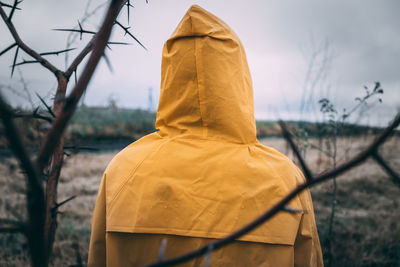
(97, 248)
(307, 250)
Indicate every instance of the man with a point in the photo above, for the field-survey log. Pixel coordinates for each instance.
(203, 174)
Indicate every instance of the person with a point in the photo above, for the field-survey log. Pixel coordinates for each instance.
(203, 174)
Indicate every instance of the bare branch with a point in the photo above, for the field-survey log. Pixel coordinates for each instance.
(74, 65)
(12, 226)
(35, 193)
(12, 229)
(8, 48)
(80, 31)
(395, 176)
(288, 137)
(23, 62)
(57, 52)
(24, 47)
(47, 106)
(16, 2)
(34, 115)
(59, 125)
(54, 209)
(7, 5)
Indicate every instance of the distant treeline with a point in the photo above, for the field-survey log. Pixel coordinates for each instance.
(122, 123)
(110, 125)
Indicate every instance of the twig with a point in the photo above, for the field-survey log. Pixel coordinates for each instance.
(59, 125)
(24, 47)
(8, 48)
(395, 176)
(286, 134)
(7, 5)
(34, 114)
(126, 29)
(16, 2)
(47, 106)
(35, 193)
(23, 62)
(57, 52)
(81, 31)
(54, 209)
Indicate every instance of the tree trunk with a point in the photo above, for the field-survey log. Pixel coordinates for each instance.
(54, 168)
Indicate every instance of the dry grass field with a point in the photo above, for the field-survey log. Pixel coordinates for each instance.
(366, 229)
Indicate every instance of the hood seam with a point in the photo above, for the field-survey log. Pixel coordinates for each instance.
(203, 124)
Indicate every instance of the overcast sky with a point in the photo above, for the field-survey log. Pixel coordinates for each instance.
(348, 44)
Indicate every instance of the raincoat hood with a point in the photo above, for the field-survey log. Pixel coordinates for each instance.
(206, 88)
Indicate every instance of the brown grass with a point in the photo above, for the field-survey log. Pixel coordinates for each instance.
(366, 229)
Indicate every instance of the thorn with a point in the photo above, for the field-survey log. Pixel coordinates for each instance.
(9, 6)
(126, 29)
(76, 80)
(119, 43)
(15, 59)
(7, 49)
(57, 52)
(27, 62)
(128, 5)
(45, 104)
(80, 28)
(55, 208)
(108, 63)
(16, 3)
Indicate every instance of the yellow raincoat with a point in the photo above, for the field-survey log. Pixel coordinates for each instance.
(203, 174)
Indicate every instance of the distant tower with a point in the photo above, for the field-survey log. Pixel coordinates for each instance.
(150, 99)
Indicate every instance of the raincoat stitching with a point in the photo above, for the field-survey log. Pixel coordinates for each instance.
(211, 234)
(201, 108)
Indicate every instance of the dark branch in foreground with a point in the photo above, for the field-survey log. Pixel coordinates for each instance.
(280, 206)
(35, 193)
(24, 47)
(60, 124)
(395, 176)
(288, 137)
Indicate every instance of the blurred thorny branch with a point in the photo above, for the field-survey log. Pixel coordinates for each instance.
(42, 202)
(332, 129)
(311, 179)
